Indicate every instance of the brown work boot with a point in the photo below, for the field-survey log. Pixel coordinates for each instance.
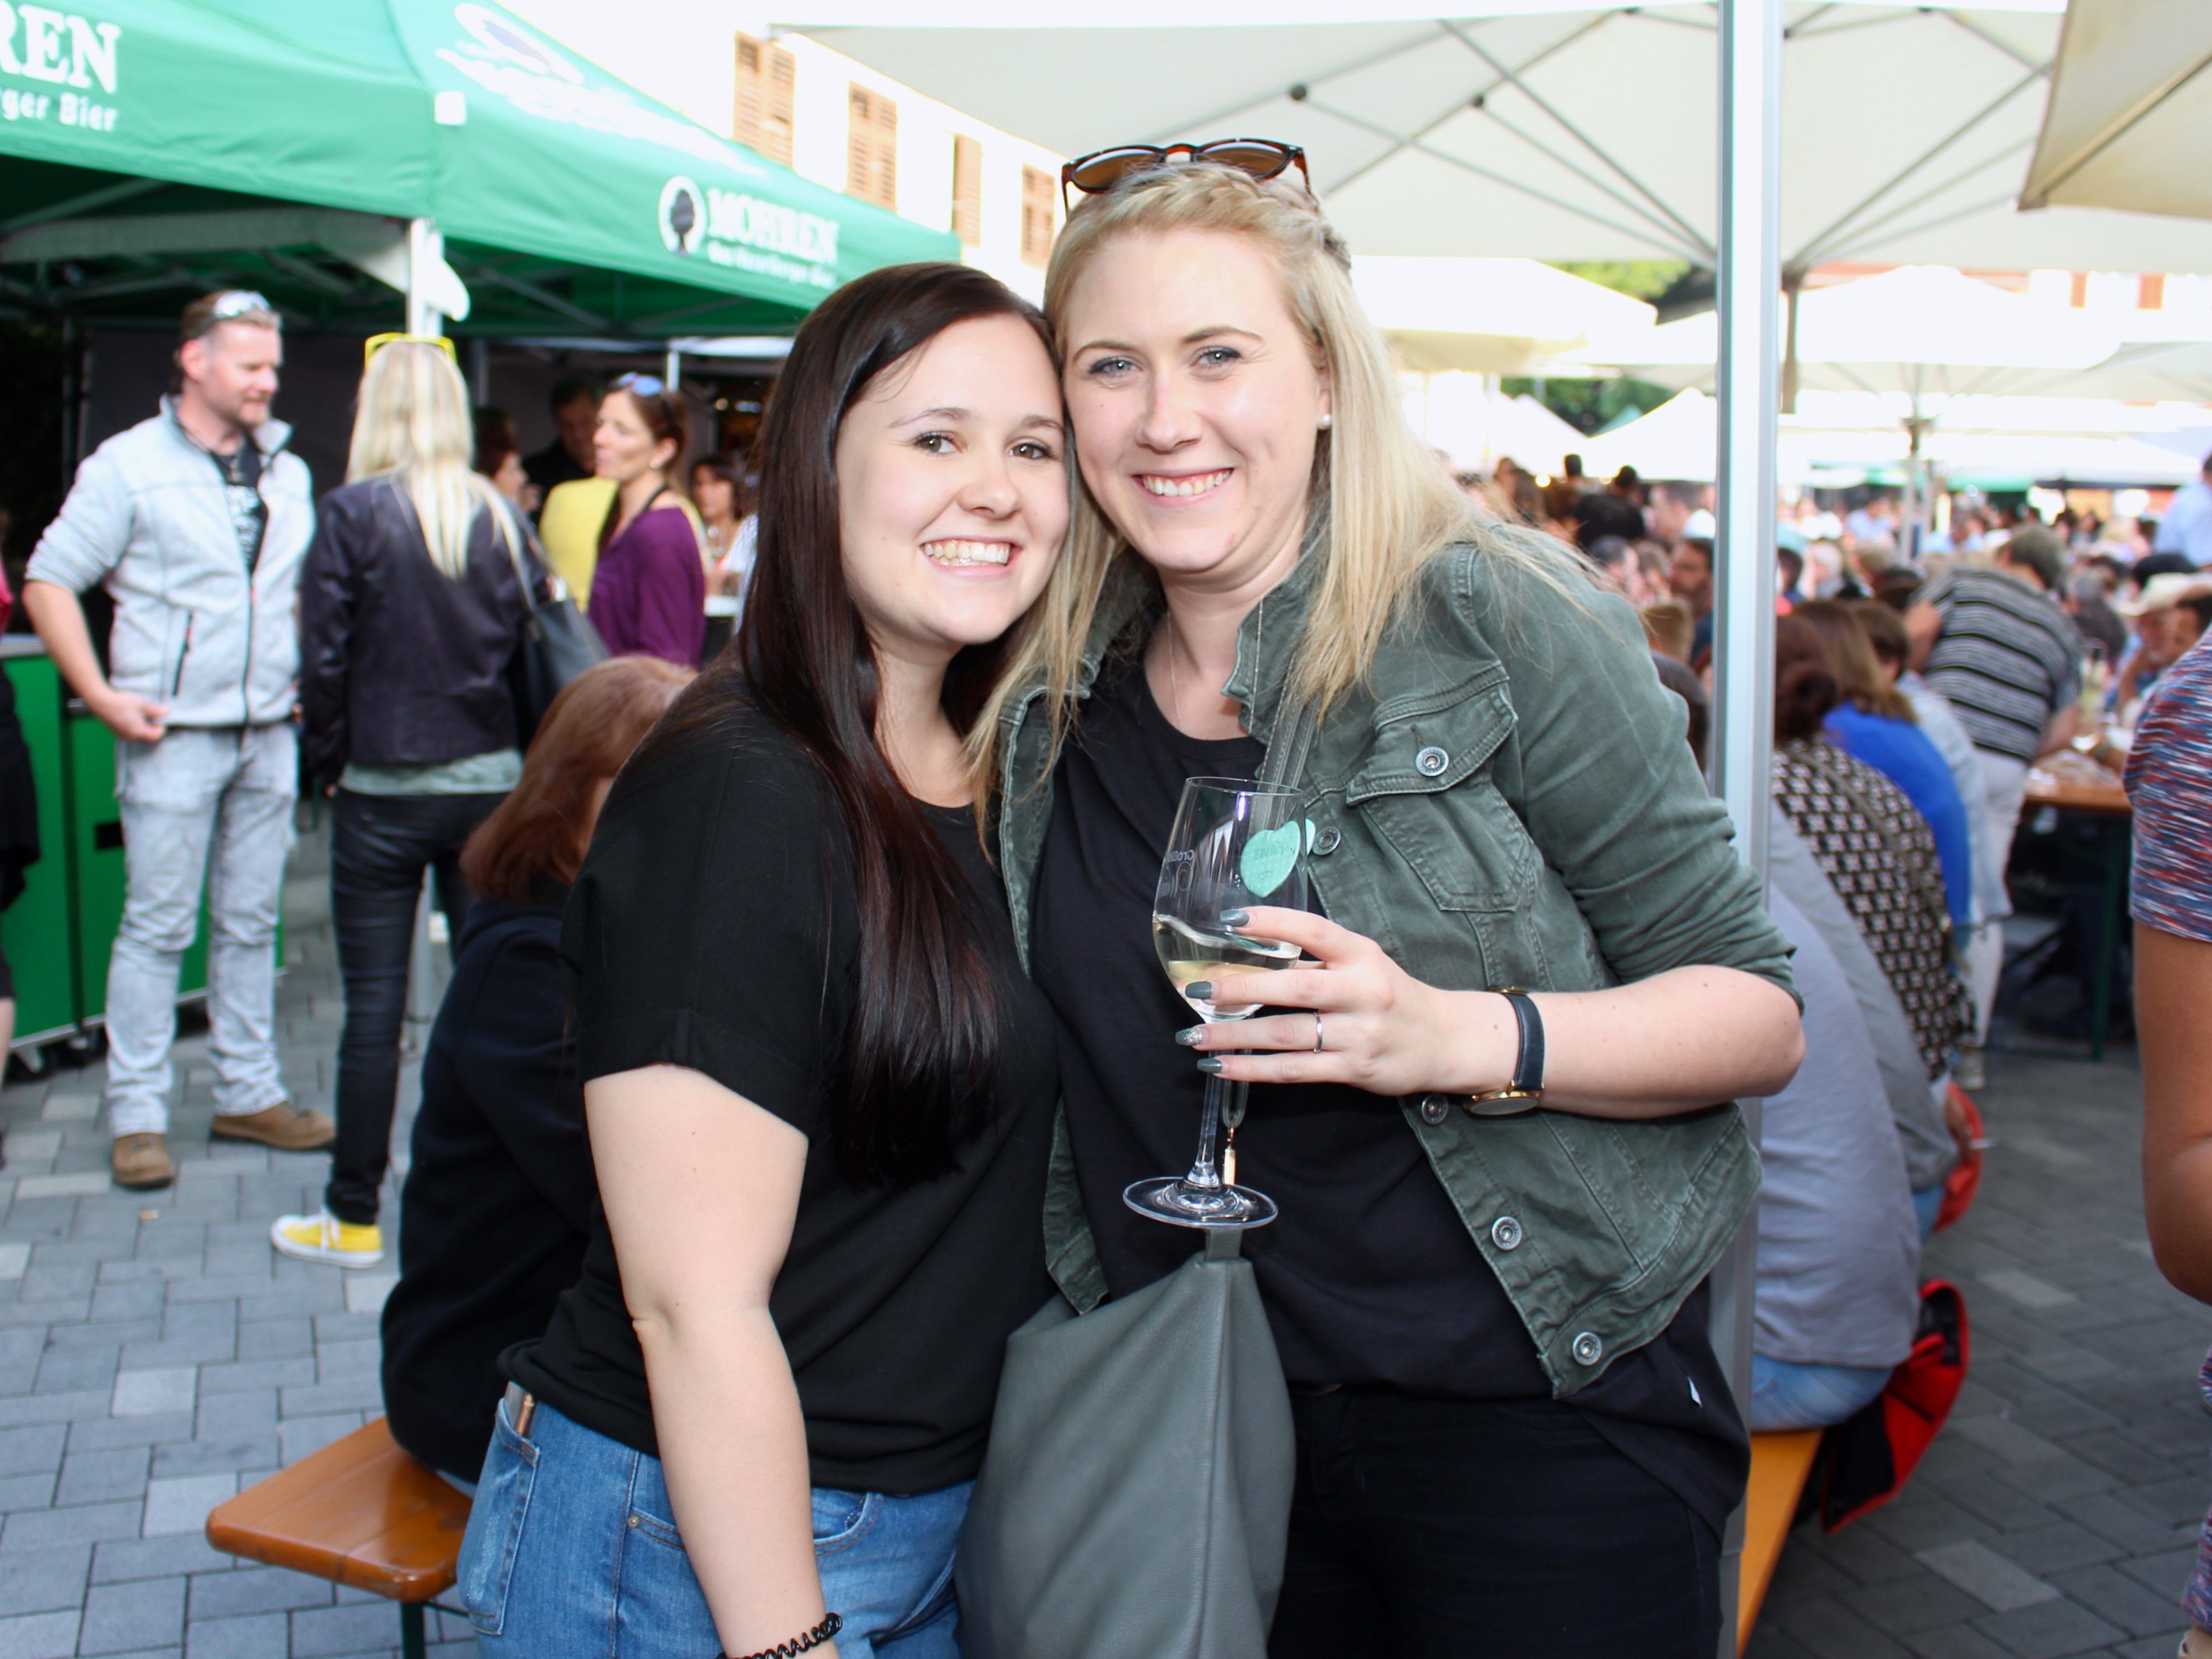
(288, 1127)
(141, 1162)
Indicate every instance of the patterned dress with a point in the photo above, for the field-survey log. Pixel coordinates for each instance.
(2170, 783)
(1880, 856)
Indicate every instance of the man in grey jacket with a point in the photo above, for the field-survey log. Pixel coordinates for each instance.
(195, 521)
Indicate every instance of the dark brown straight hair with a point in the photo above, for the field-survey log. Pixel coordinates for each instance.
(915, 1078)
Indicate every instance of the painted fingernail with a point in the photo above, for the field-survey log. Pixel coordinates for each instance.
(1211, 1065)
(1235, 918)
(1199, 990)
(1193, 1037)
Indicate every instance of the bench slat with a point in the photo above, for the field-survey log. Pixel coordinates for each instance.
(360, 1511)
(1780, 1464)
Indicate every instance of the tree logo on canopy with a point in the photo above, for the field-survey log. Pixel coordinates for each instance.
(504, 39)
(683, 215)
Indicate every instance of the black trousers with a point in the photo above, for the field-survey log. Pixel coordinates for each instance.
(1484, 1530)
(380, 845)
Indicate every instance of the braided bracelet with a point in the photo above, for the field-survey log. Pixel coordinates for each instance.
(831, 1624)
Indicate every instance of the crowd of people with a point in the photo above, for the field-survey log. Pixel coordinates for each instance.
(806, 1027)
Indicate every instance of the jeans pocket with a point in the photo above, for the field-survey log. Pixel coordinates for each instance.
(495, 1533)
(842, 1519)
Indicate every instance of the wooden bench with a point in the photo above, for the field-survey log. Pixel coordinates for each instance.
(1780, 1464)
(361, 1512)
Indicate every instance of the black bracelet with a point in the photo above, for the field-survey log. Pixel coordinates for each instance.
(831, 1624)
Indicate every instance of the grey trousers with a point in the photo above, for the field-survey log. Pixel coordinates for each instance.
(210, 805)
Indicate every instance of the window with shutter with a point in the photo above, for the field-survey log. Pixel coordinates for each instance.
(967, 190)
(872, 148)
(1037, 214)
(766, 75)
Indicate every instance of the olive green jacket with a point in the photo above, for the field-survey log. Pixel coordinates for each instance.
(1511, 802)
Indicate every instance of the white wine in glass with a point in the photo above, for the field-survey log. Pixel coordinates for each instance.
(1193, 957)
(1234, 845)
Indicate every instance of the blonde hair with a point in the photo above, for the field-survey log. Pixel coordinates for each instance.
(1388, 503)
(413, 427)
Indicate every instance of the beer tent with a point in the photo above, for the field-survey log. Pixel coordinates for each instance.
(331, 151)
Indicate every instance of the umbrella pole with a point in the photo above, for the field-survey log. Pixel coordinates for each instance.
(424, 250)
(1749, 279)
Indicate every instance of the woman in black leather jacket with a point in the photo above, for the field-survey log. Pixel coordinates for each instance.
(411, 609)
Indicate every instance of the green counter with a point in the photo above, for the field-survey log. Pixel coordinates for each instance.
(36, 931)
(59, 933)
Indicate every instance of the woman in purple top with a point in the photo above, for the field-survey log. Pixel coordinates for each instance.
(649, 589)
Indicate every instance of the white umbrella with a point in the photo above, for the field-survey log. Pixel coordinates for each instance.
(2129, 121)
(1488, 316)
(1677, 441)
(1561, 132)
(1476, 424)
(1680, 440)
(1917, 330)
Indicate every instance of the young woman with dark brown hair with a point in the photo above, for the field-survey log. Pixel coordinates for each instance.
(819, 1087)
(498, 1192)
(649, 586)
(1875, 723)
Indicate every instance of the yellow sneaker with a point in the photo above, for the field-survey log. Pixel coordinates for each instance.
(323, 1237)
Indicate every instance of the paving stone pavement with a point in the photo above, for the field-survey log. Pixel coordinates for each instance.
(156, 1355)
(2057, 1513)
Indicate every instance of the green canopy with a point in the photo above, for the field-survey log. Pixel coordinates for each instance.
(151, 145)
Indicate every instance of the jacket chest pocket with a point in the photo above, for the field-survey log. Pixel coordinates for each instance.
(1426, 786)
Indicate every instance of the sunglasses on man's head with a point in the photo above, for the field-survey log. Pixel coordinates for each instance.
(230, 306)
(1100, 171)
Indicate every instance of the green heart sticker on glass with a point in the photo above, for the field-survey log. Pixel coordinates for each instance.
(1269, 857)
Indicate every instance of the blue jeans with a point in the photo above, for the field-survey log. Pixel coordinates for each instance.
(1926, 1205)
(572, 1549)
(1785, 1395)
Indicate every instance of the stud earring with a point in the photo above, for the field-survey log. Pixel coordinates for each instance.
(1326, 421)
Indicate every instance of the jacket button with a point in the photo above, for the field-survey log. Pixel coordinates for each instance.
(1588, 1350)
(1431, 760)
(1505, 1233)
(1434, 1108)
(1328, 842)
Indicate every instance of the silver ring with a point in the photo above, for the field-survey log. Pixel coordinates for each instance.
(1316, 1033)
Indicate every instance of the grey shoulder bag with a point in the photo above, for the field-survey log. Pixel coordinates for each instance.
(556, 642)
(1135, 1500)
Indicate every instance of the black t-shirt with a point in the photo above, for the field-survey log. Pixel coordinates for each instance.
(1369, 1276)
(714, 926)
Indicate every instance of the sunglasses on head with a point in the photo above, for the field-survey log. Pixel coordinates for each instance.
(376, 343)
(645, 385)
(230, 305)
(1100, 171)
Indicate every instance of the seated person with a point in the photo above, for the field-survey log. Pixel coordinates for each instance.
(1877, 723)
(1669, 628)
(1893, 650)
(498, 1201)
(1918, 1106)
(1838, 1299)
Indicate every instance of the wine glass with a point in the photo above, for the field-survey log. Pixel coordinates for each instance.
(1234, 845)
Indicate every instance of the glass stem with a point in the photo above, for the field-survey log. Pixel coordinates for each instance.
(1205, 1171)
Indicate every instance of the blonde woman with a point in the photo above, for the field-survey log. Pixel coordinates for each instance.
(410, 610)
(1497, 1214)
